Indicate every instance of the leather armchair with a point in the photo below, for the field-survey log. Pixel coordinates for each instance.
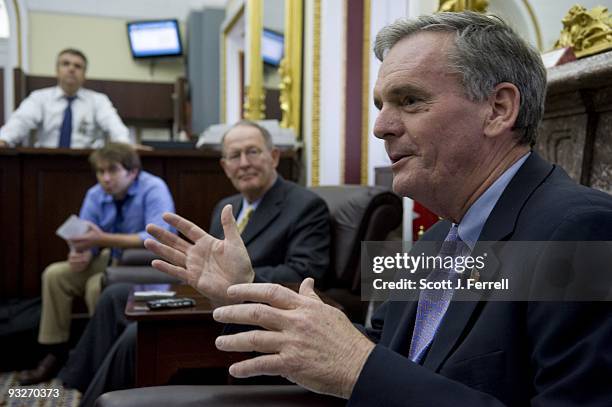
(135, 267)
(359, 213)
(218, 396)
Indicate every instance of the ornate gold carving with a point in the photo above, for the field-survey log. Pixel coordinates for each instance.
(587, 32)
(462, 5)
(285, 92)
(291, 67)
(254, 105)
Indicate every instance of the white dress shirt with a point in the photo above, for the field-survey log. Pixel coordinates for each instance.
(93, 119)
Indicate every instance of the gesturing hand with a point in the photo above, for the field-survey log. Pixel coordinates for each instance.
(306, 341)
(209, 265)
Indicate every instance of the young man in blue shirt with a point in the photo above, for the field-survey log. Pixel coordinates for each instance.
(117, 209)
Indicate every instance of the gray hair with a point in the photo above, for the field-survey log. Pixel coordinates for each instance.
(248, 123)
(487, 52)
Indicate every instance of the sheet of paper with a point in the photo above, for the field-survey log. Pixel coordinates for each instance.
(72, 227)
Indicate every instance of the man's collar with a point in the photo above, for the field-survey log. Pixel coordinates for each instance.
(476, 216)
(59, 93)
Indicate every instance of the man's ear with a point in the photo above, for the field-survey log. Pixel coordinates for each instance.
(504, 104)
(275, 153)
(224, 166)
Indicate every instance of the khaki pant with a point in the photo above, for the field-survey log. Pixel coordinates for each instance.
(59, 286)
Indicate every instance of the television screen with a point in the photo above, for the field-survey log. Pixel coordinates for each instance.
(154, 38)
(272, 47)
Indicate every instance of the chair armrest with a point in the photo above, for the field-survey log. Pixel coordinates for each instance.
(136, 275)
(219, 396)
(137, 257)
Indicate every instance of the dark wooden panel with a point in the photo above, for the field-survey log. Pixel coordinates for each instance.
(10, 238)
(197, 189)
(143, 103)
(53, 189)
(19, 85)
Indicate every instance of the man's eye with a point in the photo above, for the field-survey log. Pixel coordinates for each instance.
(409, 100)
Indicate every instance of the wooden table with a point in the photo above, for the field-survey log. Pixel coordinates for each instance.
(177, 339)
(183, 339)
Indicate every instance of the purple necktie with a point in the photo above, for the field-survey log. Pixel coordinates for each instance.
(66, 129)
(434, 303)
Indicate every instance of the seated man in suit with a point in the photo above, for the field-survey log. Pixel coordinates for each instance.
(117, 209)
(66, 115)
(460, 97)
(284, 228)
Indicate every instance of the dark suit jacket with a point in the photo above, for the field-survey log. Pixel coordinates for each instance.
(505, 353)
(288, 235)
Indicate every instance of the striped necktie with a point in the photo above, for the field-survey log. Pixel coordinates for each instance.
(245, 219)
(433, 303)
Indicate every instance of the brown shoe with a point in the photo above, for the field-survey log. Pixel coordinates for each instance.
(45, 371)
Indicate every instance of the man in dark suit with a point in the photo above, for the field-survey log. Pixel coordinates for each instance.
(285, 229)
(460, 97)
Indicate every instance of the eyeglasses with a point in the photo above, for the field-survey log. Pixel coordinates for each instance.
(251, 153)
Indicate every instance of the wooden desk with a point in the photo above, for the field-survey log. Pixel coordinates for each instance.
(177, 339)
(182, 339)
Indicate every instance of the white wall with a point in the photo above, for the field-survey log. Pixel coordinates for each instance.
(99, 29)
(105, 43)
(124, 9)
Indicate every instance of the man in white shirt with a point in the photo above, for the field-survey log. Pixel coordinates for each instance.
(66, 115)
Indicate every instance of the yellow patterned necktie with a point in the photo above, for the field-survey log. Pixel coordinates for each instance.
(245, 219)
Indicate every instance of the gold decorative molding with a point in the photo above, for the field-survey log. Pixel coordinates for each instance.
(315, 151)
(365, 96)
(226, 31)
(254, 105)
(291, 67)
(587, 32)
(463, 5)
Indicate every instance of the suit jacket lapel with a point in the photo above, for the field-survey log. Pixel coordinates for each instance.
(499, 226)
(267, 211)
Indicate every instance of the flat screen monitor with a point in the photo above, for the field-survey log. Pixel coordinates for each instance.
(159, 38)
(272, 47)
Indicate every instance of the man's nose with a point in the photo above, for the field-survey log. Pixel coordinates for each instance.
(387, 124)
(244, 161)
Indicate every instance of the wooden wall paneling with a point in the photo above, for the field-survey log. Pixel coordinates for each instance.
(198, 183)
(10, 212)
(19, 84)
(142, 103)
(54, 186)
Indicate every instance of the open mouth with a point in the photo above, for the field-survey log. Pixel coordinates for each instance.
(397, 159)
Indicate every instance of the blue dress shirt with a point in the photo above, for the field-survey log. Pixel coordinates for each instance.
(145, 202)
